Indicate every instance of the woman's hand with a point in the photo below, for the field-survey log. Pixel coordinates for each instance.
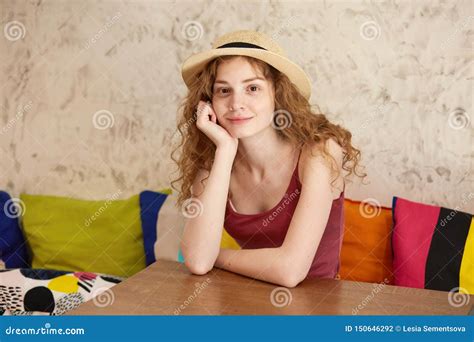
(206, 121)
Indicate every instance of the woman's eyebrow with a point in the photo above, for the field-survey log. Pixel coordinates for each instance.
(244, 81)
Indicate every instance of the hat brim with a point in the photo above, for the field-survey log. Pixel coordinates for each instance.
(195, 63)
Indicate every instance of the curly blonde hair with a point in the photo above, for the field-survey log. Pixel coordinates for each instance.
(306, 129)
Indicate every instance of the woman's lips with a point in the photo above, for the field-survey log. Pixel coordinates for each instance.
(238, 121)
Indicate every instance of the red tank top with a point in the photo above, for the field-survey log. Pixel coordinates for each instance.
(268, 229)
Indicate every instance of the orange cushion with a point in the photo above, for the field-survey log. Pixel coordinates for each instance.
(366, 253)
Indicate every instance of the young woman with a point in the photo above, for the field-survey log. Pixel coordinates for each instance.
(257, 161)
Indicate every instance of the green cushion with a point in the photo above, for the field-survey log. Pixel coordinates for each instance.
(79, 235)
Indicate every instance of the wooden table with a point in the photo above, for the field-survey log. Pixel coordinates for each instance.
(168, 288)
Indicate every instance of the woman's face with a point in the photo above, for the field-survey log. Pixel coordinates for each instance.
(240, 86)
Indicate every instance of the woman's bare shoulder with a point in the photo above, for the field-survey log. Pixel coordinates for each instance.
(312, 157)
(315, 150)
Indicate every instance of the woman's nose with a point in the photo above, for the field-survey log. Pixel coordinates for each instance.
(236, 100)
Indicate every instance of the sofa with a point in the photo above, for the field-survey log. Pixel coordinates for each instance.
(60, 252)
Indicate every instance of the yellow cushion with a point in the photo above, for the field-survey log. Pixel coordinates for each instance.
(78, 235)
(228, 241)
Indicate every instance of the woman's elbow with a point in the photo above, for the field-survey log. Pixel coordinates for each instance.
(289, 276)
(196, 264)
(196, 261)
(198, 268)
(290, 280)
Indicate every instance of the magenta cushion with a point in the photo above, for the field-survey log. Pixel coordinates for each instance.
(431, 248)
(414, 224)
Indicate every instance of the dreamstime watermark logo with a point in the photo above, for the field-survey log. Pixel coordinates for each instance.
(281, 297)
(281, 119)
(198, 288)
(458, 119)
(110, 22)
(192, 207)
(377, 288)
(46, 330)
(103, 297)
(370, 30)
(192, 30)
(190, 122)
(377, 112)
(18, 115)
(286, 24)
(103, 119)
(184, 128)
(14, 30)
(14, 208)
(287, 200)
(369, 208)
(466, 197)
(458, 297)
(102, 208)
(444, 221)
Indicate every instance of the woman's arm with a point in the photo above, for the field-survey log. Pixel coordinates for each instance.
(202, 234)
(289, 264)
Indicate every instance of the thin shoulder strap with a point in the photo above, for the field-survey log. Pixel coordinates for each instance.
(296, 172)
(299, 156)
(298, 162)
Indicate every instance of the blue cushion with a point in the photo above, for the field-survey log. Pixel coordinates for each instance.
(180, 256)
(12, 243)
(150, 205)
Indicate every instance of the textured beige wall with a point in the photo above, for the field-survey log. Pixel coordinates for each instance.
(398, 74)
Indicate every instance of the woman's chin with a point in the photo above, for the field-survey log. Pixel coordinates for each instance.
(245, 132)
(242, 133)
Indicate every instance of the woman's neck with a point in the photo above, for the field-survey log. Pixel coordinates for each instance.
(260, 154)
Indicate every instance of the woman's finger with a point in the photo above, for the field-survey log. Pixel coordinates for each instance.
(211, 112)
(202, 109)
(208, 110)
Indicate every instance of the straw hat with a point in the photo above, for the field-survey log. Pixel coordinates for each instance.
(252, 44)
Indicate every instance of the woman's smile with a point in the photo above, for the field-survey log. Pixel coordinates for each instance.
(239, 121)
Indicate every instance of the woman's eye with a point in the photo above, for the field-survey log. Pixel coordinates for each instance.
(222, 90)
(225, 91)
